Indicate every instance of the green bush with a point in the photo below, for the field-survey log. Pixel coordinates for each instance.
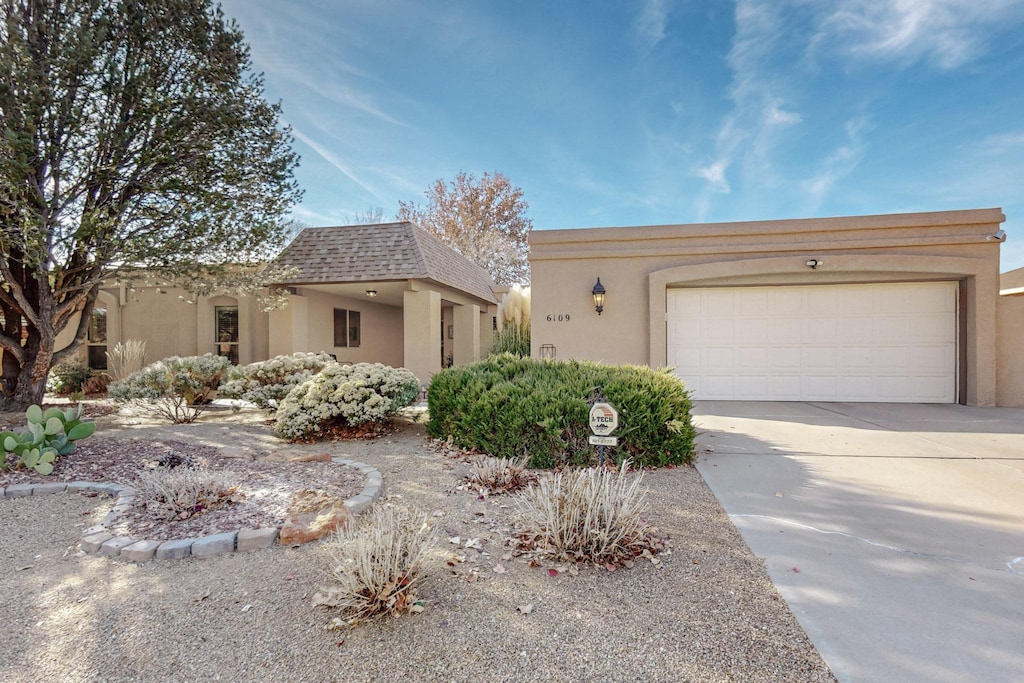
(176, 388)
(266, 383)
(50, 434)
(345, 396)
(68, 377)
(514, 407)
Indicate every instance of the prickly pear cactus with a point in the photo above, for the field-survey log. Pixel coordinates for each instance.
(50, 434)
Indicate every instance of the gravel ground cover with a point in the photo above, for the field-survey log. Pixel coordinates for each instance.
(706, 612)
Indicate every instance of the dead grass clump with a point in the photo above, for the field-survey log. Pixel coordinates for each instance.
(590, 516)
(375, 566)
(500, 475)
(181, 493)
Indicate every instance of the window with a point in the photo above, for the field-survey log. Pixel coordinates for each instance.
(226, 333)
(96, 341)
(346, 328)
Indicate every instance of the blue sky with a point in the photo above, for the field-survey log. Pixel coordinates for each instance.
(641, 113)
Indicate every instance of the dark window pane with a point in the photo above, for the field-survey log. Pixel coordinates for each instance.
(98, 357)
(227, 323)
(353, 328)
(226, 332)
(340, 327)
(98, 326)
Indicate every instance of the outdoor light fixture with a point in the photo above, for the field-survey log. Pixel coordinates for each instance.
(598, 291)
(371, 293)
(814, 263)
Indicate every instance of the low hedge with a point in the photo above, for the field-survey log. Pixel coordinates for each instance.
(514, 407)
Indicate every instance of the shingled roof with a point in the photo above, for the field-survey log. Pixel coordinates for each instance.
(387, 251)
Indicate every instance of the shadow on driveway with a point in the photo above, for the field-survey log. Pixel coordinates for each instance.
(896, 533)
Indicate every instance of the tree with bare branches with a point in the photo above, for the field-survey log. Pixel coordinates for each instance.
(133, 136)
(484, 220)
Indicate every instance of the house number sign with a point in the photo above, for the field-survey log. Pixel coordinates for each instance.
(558, 318)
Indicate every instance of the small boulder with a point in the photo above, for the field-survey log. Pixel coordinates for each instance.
(313, 457)
(313, 515)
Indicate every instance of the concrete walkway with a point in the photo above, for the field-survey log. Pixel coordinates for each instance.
(894, 532)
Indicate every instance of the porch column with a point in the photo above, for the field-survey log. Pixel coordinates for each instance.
(421, 314)
(466, 348)
(289, 327)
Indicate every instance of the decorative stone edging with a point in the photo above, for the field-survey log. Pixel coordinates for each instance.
(98, 540)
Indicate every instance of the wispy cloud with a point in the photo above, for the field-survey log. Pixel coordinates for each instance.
(650, 24)
(714, 173)
(759, 114)
(837, 165)
(946, 33)
(335, 161)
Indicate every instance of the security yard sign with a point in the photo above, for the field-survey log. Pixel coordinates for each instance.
(604, 419)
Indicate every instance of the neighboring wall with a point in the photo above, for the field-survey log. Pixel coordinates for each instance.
(637, 266)
(1010, 350)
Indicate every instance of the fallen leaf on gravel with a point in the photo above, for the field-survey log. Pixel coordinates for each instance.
(472, 542)
(498, 569)
(610, 567)
(247, 608)
(455, 539)
(796, 570)
(534, 562)
(202, 597)
(525, 609)
(471, 577)
(27, 566)
(552, 572)
(289, 576)
(438, 513)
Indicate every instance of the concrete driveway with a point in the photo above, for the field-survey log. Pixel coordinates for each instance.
(894, 532)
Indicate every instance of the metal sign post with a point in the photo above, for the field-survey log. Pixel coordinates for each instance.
(604, 420)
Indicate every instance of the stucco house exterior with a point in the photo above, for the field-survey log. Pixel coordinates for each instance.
(892, 308)
(388, 293)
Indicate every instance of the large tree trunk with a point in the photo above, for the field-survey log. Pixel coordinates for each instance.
(29, 384)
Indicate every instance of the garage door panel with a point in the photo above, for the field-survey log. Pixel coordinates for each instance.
(879, 342)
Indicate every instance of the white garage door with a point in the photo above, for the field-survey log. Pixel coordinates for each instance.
(880, 342)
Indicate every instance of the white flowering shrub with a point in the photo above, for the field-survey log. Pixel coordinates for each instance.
(176, 388)
(345, 395)
(266, 383)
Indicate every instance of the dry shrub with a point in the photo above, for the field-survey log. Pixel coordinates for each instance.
(97, 384)
(181, 493)
(500, 475)
(592, 516)
(375, 566)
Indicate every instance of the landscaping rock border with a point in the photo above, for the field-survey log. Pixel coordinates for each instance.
(98, 540)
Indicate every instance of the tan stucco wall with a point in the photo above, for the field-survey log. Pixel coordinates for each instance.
(1012, 279)
(637, 265)
(380, 329)
(1010, 350)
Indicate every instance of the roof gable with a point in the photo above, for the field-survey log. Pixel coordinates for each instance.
(386, 251)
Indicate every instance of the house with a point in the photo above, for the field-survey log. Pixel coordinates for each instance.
(892, 308)
(388, 293)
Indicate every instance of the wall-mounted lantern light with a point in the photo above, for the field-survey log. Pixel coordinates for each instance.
(371, 293)
(547, 351)
(814, 263)
(598, 291)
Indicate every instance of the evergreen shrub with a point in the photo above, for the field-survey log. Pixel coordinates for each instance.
(266, 383)
(513, 407)
(177, 388)
(345, 396)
